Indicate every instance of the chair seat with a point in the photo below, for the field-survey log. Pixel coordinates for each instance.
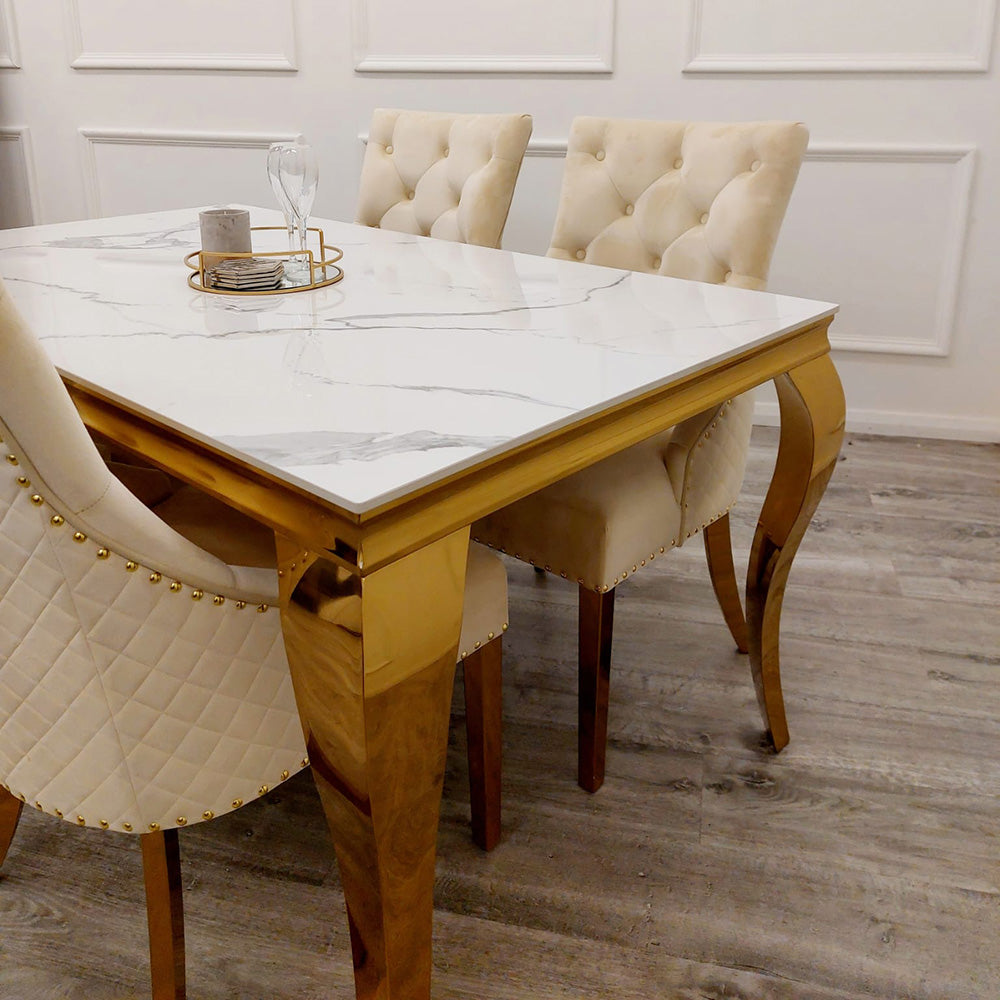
(241, 541)
(625, 504)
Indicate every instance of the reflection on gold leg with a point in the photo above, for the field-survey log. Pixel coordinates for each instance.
(373, 663)
(812, 426)
(10, 813)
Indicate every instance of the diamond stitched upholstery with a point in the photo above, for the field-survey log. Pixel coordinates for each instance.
(696, 200)
(450, 176)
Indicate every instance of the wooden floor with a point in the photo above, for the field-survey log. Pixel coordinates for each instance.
(863, 861)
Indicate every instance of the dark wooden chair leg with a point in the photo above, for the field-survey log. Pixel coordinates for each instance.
(597, 612)
(484, 735)
(10, 813)
(719, 553)
(161, 866)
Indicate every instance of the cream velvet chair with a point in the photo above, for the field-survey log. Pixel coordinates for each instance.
(450, 176)
(695, 200)
(143, 681)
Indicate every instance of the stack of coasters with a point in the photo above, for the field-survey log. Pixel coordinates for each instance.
(246, 274)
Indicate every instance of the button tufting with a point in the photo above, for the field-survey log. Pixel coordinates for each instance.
(678, 163)
(656, 263)
(599, 155)
(580, 254)
(729, 274)
(755, 165)
(446, 151)
(388, 149)
(410, 194)
(629, 209)
(704, 218)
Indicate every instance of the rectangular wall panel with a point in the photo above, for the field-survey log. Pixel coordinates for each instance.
(882, 231)
(17, 182)
(183, 34)
(145, 171)
(454, 36)
(9, 56)
(768, 36)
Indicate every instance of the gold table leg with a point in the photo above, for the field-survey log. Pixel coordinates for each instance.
(373, 663)
(811, 400)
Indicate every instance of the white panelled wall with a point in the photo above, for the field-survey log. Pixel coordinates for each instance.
(109, 108)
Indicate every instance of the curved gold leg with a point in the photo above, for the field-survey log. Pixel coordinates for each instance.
(811, 399)
(10, 813)
(719, 555)
(373, 662)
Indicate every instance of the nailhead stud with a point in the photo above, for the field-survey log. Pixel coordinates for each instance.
(81, 821)
(237, 803)
(104, 824)
(127, 827)
(23, 481)
(176, 586)
(155, 577)
(284, 775)
(12, 459)
(58, 812)
(491, 635)
(103, 553)
(79, 536)
(208, 814)
(57, 520)
(130, 566)
(37, 500)
(154, 827)
(503, 628)
(240, 605)
(463, 655)
(261, 608)
(38, 805)
(263, 790)
(197, 595)
(182, 820)
(218, 600)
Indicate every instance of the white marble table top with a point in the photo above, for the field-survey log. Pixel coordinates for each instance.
(427, 358)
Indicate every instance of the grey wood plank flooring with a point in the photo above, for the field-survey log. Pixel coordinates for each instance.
(861, 862)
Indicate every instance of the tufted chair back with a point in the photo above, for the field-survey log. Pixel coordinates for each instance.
(698, 200)
(143, 681)
(450, 176)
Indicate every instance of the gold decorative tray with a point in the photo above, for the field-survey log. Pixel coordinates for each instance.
(331, 274)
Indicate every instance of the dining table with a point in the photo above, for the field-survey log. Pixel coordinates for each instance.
(370, 423)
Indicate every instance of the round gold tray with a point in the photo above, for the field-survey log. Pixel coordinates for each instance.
(327, 265)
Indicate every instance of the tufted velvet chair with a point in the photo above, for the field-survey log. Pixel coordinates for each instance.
(449, 176)
(143, 680)
(694, 200)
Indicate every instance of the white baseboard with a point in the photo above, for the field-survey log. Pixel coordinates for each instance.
(902, 424)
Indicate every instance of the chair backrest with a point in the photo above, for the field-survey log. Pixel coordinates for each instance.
(450, 176)
(699, 200)
(135, 691)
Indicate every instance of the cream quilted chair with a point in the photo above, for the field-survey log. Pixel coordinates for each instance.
(695, 200)
(449, 176)
(143, 681)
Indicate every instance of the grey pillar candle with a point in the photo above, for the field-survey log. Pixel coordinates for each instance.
(224, 231)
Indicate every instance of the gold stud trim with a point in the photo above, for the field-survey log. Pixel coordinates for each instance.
(208, 814)
(182, 820)
(176, 587)
(12, 459)
(37, 499)
(491, 635)
(104, 824)
(305, 761)
(38, 805)
(218, 600)
(81, 821)
(197, 595)
(57, 520)
(263, 790)
(131, 566)
(261, 608)
(503, 628)
(284, 775)
(79, 536)
(237, 803)
(240, 605)
(127, 827)
(155, 577)
(154, 827)
(103, 553)
(58, 812)
(23, 481)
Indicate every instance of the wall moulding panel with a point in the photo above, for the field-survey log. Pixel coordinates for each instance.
(127, 171)
(10, 56)
(183, 34)
(851, 36)
(399, 36)
(882, 231)
(19, 204)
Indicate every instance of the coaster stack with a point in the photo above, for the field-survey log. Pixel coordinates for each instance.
(246, 274)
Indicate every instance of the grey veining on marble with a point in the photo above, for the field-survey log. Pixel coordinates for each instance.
(427, 358)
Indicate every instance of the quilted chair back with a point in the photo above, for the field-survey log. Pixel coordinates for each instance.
(698, 200)
(449, 176)
(143, 682)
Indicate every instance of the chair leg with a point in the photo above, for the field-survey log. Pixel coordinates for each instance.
(719, 553)
(484, 725)
(597, 612)
(161, 865)
(10, 813)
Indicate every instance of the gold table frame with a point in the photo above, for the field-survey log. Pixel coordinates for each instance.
(373, 670)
